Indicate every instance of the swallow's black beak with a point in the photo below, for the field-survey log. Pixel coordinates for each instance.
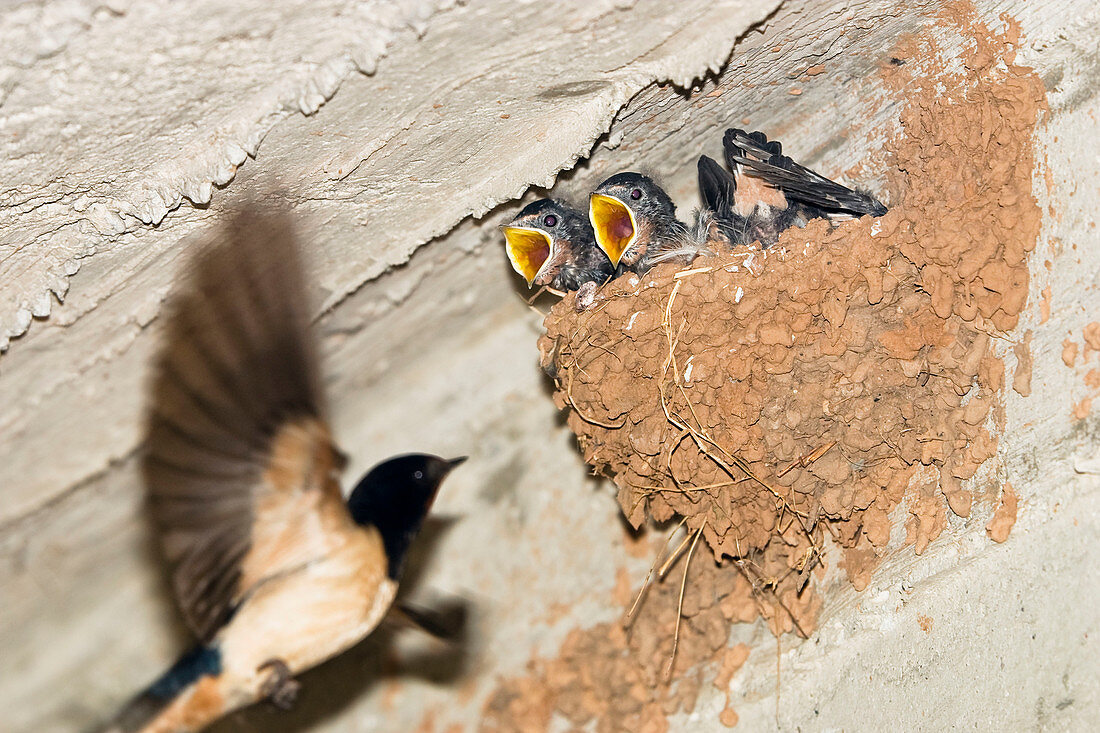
(438, 469)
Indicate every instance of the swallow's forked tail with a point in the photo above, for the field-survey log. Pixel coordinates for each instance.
(141, 713)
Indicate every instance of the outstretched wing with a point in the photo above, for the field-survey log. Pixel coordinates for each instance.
(239, 466)
(753, 154)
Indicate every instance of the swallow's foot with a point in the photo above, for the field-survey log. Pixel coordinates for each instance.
(280, 688)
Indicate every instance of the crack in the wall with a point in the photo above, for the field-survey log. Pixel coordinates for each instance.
(621, 94)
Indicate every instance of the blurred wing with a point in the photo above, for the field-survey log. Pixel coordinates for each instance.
(238, 464)
(754, 154)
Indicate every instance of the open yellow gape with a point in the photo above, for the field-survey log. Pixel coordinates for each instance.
(528, 250)
(613, 223)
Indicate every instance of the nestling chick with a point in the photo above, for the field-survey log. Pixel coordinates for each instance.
(773, 193)
(635, 224)
(550, 243)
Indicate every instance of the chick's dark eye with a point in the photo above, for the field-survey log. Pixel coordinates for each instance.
(550, 220)
(636, 194)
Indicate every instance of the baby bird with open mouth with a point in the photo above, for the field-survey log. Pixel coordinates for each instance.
(634, 220)
(634, 223)
(551, 244)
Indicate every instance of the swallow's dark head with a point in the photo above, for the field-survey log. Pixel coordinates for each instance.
(395, 496)
(628, 211)
(542, 238)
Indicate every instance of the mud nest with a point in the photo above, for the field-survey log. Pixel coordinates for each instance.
(791, 403)
(774, 399)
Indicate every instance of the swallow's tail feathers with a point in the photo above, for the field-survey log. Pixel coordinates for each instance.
(753, 154)
(446, 621)
(142, 712)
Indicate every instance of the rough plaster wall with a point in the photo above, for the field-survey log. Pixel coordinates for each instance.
(102, 136)
(483, 106)
(420, 358)
(395, 160)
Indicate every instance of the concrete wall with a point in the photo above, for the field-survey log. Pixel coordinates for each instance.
(402, 133)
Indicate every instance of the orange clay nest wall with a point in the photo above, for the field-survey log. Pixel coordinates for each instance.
(775, 399)
(781, 401)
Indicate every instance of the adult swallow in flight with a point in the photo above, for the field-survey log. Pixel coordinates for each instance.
(273, 570)
(771, 192)
(550, 243)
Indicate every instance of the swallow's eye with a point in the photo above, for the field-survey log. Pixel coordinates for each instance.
(636, 194)
(418, 475)
(550, 220)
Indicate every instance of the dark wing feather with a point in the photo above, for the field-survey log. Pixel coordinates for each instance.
(755, 155)
(716, 187)
(235, 367)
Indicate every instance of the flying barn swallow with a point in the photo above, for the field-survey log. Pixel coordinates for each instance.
(550, 243)
(771, 192)
(272, 569)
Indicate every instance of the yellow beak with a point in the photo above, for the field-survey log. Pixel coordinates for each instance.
(614, 225)
(528, 251)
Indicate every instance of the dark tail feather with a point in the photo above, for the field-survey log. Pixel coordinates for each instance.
(140, 711)
(752, 152)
